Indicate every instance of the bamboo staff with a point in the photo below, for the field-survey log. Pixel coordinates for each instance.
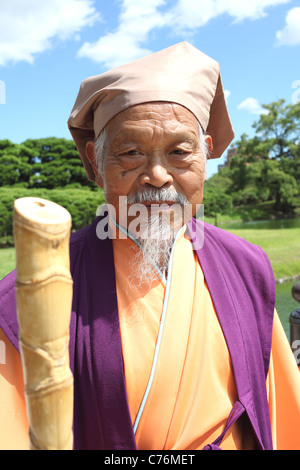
(44, 296)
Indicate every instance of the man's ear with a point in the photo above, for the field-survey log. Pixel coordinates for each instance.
(91, 156)
(209, 143)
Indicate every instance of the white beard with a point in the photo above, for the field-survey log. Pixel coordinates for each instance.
(156, 236)
(155, 252)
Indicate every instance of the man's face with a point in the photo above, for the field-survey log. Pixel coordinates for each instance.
(153, 146)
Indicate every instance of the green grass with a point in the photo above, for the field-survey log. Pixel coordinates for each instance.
(259, 211)
(251, 212)
(7, 261)
(281, 245)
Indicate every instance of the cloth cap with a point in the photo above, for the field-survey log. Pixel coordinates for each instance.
(180, 74)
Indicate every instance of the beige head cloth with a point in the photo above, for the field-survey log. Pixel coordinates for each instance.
(179, 74)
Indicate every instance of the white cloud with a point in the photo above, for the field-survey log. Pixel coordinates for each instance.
(33, 26)
(28, 28)
(290, 34)
(227, 93)
(138, 18)
(253, 10)
(252, 106)
(189, 14)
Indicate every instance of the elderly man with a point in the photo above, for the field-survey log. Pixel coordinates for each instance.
(174, 341)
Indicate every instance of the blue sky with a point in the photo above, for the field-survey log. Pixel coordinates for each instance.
(47, 48)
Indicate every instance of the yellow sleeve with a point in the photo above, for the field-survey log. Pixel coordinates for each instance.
(283, 385)
(13, 417)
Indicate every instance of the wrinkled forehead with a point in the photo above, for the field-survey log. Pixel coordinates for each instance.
(165, 116)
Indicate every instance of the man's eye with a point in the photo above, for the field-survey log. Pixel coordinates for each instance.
(179, 152)
(132, 152)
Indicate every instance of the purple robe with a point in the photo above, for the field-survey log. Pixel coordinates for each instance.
(242, 287)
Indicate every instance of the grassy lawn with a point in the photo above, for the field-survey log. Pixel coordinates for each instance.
(7, 261)
(281, 245)
(261, 211)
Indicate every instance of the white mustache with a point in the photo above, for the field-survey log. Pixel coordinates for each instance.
(157, 195)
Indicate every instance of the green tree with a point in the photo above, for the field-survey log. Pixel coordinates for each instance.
(282, 186)
(57, 164)
(216, 199)
(42, 163)
(267, 166)
(278, 130)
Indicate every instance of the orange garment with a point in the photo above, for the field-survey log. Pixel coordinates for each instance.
(284, 392)
(13, 418)
(193, 388)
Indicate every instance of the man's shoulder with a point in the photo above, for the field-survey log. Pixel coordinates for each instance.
(78, 241)
(79, 237)
(222, 235)
(8, 308)
(235, 248)
(230, 241)
(8, 311)
(7, 284)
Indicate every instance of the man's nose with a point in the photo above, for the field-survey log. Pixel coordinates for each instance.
(156, 174)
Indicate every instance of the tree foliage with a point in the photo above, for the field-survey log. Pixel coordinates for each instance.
(41, 163)
(265, 167)
(49, 168)
(81, 203)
